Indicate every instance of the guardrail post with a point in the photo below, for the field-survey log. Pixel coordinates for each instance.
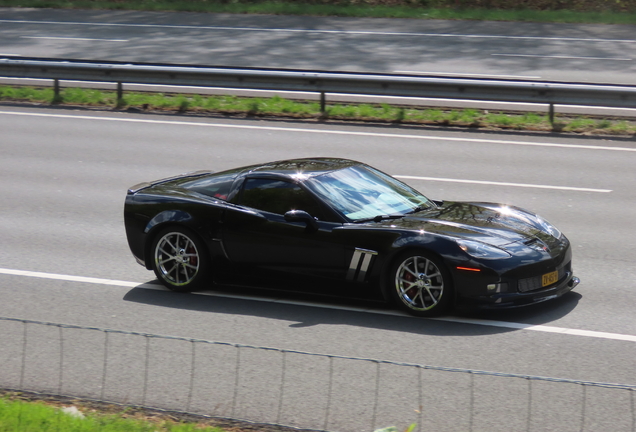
(120, 93)
(551, 114)
(56, 91)
(323, 103)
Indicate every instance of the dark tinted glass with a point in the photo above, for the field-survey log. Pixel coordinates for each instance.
(279, 197)
(216, 186)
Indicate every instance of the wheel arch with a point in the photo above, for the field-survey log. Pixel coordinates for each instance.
(412, 246)
(166, 219)
(168, 216)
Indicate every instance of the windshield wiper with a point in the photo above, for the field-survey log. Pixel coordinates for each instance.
(380, 218)
(418, 209)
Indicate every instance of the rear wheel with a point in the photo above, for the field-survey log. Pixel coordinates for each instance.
(420, 284)
(180, 260)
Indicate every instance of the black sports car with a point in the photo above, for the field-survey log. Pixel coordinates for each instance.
(326, 223)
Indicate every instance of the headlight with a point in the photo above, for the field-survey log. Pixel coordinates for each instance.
(548, 228)
(482, 250)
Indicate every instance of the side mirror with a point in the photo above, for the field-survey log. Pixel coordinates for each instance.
(301, 216)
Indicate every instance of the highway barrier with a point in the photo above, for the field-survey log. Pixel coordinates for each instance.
(548, 93)
(295, 388)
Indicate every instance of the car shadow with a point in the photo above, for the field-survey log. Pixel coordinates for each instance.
(309, 309)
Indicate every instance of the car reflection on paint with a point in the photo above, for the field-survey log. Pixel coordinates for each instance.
(327, 222)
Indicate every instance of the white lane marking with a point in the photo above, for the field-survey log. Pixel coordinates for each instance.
(318, 31)
(10, 55)
(320, 131)
(68, 278)
(569, 188)
(467, 75)
(563, 57)
(543, 328)
(73, 38)
(491, 323)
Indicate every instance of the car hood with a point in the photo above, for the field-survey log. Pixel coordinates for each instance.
(494, 224)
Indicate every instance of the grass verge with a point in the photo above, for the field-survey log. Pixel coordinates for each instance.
(20, 416)
(285, 108)
(446, 10)
(37, 412)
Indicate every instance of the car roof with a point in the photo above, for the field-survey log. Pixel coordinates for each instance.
(307, 167)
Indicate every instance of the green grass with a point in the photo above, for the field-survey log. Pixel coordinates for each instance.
(610, 12)
(280, 107)
(21, 416)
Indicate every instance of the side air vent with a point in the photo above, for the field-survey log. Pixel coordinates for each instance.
(537, 245)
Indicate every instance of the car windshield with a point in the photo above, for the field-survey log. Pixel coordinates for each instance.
(363, 193)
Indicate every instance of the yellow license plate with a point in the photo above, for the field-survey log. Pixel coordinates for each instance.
(549, 278)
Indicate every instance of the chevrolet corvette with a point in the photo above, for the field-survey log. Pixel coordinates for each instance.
(327, 222)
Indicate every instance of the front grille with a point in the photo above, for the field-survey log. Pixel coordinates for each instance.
(535, 282)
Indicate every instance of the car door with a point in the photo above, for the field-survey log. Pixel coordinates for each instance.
(257, 235)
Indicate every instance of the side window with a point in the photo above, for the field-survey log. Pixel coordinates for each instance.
(278, 197)
(216, 186)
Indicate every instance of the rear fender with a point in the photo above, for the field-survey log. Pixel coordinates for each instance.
(168, 216)
(159, 221)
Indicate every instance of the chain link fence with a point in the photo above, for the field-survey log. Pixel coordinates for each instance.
(297, 389)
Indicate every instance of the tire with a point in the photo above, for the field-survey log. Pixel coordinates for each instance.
(420, 284)
(180, 260)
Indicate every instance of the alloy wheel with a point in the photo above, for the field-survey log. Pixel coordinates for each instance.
(419, 283)
(177, 259)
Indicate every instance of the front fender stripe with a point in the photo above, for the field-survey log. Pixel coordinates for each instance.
(360, 263)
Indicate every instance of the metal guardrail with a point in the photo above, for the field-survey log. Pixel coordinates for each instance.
(549, 93)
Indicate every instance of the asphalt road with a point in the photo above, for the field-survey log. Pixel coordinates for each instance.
(500, 50)
(65, 174)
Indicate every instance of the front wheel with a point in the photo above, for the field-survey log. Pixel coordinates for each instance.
(420, 284)
(180, 260)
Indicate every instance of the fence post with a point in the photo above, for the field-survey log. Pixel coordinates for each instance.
(323, 102)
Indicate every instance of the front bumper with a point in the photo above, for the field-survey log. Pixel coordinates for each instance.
(519, 299)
